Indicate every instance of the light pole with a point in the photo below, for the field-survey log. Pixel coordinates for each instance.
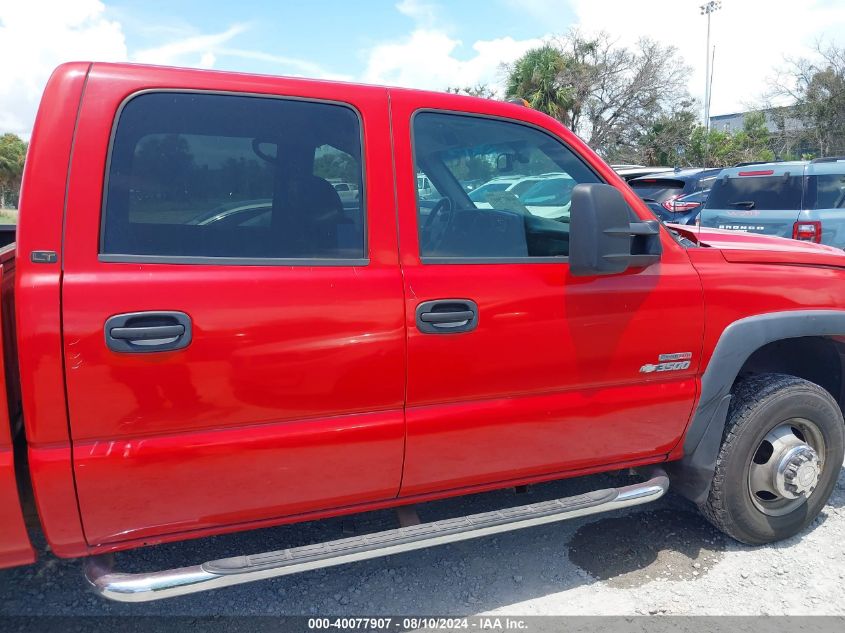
(707, 9)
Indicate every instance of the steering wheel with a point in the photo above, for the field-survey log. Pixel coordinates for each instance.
(437, 224)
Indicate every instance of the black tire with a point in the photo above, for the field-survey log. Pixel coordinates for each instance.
(760, 403)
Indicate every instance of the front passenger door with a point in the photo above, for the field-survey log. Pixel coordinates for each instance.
(517, 369)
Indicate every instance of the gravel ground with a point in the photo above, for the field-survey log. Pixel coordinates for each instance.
(657, 559)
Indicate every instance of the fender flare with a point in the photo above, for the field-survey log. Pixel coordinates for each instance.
(692, 474)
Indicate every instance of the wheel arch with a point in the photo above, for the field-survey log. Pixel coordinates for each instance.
(764, 342)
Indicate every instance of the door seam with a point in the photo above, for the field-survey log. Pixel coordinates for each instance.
(404, 293)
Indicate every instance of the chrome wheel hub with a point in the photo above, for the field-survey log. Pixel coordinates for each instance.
(786, 467)
(798, 472)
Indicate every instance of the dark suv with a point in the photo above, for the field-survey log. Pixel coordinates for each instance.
(676, 196)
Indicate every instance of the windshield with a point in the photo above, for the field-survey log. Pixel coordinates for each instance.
(480, 194)
(551, 192)
(768, 193)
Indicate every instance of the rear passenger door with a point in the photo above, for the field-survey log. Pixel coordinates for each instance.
(233, 330)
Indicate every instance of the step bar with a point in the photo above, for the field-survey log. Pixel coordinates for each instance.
(143, 587)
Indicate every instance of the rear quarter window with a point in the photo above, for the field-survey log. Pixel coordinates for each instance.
(772, 193)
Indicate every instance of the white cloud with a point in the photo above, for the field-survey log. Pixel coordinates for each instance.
(35, 37)
(193, 50)
(428, 57)
(299, 66)
(752, 38)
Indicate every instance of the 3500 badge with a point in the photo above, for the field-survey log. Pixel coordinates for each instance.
(668, 362)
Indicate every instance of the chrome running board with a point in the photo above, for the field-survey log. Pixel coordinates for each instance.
(241, 569)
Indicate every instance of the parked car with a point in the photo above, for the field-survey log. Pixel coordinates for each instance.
(545, 195)
(550, 196)
(169, 379)
(798, 199)
(425, 190)
(513, 184)
(348, 192)
(241, 213)
(471, 184)
(629, 173)
(675, 197)
(686, 209)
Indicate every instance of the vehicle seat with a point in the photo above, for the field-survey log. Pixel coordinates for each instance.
(310, 218)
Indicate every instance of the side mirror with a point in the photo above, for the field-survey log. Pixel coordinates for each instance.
(602, 238)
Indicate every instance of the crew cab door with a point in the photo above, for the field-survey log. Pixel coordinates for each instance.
(517, 369)
(233, 330)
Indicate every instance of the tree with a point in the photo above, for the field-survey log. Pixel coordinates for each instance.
(633, 88)
(817, 87)
(335, 164)
(12, 156)
(478, 90)
(752, 142)
(164, 166)
(537, 77)
(667, 140)
(607, 94)
(718, 148)
(473, 168)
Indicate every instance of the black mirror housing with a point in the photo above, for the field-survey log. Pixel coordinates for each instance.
(504, 163)
(602, 238)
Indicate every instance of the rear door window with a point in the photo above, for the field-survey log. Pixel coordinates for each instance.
(195, 175)
(768, 193)
(657, 189)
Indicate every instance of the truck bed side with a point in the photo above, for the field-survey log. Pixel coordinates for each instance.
(15, 548)
(37, 310)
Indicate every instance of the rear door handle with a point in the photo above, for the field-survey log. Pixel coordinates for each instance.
(140, 332)
(152, 332)
(447, 316)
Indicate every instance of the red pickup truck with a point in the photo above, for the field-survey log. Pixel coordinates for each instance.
(200, 336)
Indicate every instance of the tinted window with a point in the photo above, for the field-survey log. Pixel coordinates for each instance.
(552, 191)
(480, 194)
(705, 183)
(502, 218)
(698, 196)
(202, 175)
(657, 190)
(826, 191)
(768, 193)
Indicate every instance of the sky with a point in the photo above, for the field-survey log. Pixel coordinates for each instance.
(428, 44)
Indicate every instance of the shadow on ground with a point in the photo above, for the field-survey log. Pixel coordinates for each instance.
(624, 549)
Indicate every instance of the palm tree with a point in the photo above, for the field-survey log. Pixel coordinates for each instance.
(536, 76)
(12, 155)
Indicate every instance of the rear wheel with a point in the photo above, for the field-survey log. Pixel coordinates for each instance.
(779, 460)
